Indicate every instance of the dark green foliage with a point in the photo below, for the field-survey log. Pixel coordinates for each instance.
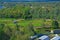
(28, 15)
(32, 28)
(55, 24)
(30, 10)
(3, 35)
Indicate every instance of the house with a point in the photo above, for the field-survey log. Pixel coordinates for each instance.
(44, 38)
(57, 31)
(36, 36)
(56, 38)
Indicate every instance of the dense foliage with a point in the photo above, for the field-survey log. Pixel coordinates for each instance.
(30, 10)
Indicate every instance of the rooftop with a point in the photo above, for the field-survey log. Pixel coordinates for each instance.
(43, 37)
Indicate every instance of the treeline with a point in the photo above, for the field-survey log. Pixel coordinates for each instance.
(30, 11)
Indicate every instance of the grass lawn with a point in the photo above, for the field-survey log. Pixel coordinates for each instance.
(23, 22)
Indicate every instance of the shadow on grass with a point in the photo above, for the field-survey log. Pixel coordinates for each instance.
(4, 36)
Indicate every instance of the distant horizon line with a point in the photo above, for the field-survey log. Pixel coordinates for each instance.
(31, 1)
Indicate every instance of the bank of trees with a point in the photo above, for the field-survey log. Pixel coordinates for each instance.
(30, 12)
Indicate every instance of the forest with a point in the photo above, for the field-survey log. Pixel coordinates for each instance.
(30, 10)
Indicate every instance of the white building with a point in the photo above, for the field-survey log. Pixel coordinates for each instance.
(56, 37)
(44, 38)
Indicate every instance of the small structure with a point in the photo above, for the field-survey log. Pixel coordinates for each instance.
(33, 37)
(56, 37)
(44, 38)
(57, 31)
(15, 21)
(36, 36)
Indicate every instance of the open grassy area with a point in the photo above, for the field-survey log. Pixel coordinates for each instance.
(25, 23)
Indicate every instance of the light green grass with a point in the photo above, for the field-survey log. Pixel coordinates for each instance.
(25, 23)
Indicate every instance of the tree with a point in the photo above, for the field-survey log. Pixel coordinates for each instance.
(55, 24)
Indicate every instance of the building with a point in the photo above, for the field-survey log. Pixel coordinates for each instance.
(36, 36)
(44, 38)
(33, 37)
(56, 38)
(57, 31)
